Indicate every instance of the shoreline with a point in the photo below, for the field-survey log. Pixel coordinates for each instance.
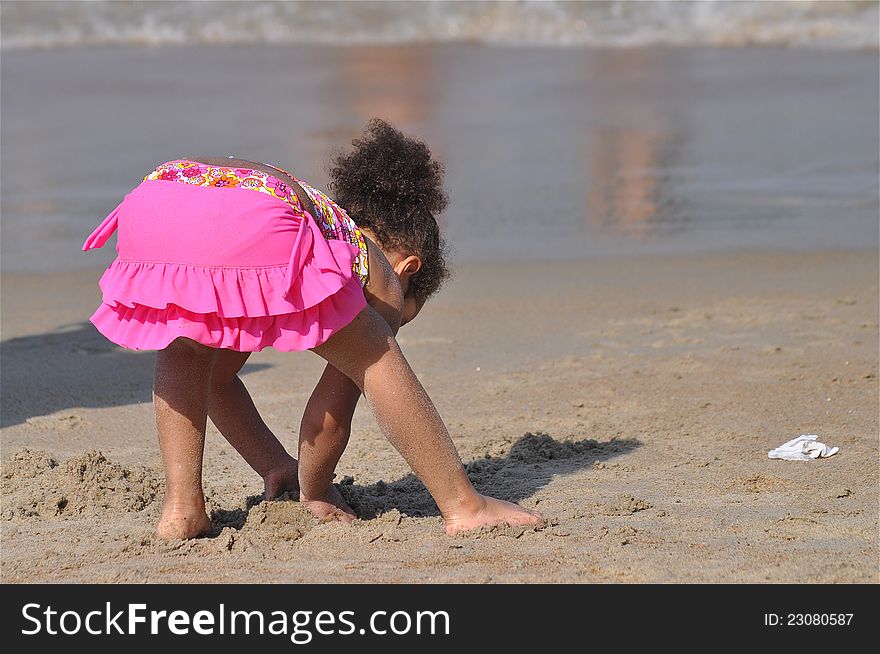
(612, 23)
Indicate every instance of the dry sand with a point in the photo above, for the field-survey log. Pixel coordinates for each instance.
(631, 401)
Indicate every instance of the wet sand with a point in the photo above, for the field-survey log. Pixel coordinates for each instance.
(549, 153)
(631, 400)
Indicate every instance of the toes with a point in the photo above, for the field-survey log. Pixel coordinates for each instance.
(347, 518)
(336, 515)
(344, 514)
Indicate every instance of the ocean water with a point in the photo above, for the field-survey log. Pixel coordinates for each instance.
(625, 23)
(550, 152)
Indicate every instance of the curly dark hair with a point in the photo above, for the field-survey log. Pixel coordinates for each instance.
(390, 184)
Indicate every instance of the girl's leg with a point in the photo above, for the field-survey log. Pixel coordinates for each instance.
(367, 352)
(180, 396)
(232, 411)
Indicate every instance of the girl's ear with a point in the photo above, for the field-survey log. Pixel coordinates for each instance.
(408, 266)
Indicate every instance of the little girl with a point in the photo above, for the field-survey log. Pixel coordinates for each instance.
(219, 258)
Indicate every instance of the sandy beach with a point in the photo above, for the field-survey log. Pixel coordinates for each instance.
(664, 230)
(632, 401)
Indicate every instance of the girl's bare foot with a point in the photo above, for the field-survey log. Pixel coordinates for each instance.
(330, 506)
(487, 512)
(282, 479)
(183, 520)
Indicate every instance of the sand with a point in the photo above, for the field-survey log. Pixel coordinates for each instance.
(631, 400)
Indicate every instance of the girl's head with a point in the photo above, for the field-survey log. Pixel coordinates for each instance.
(389, 184)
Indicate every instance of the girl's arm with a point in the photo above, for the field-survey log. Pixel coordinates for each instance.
(324, 431)
(326, 423)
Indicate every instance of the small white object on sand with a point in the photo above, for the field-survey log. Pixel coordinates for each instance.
(803, 448)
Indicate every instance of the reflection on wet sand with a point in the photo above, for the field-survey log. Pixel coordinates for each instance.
(626, 193)
(393, 83)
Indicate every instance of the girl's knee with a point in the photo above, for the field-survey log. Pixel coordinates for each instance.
(221, 383)
(227, 364)
(183, 364)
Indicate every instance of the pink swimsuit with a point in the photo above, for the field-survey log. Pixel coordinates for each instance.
(227, 257)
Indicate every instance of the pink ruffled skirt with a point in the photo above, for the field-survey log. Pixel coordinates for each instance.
(230, 268)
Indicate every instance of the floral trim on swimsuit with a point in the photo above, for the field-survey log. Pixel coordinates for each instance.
(334, 222)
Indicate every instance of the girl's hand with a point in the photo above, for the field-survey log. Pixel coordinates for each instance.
(281, 479)
(329, 507)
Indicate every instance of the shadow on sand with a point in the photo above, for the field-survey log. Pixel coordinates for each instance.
(73, 367)
(528, 466)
